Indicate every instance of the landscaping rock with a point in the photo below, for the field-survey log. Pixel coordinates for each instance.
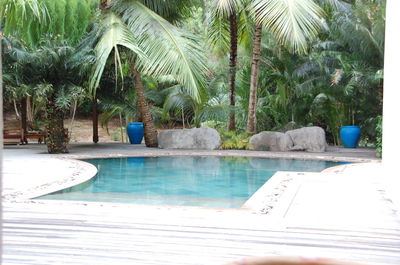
(271, 141)
(197, 138)
(310, 139)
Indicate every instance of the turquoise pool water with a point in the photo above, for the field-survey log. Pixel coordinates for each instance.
(194, 181)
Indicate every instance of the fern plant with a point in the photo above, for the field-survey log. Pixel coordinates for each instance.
(234, 140)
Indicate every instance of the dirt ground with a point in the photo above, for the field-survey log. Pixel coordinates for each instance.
(82, 129)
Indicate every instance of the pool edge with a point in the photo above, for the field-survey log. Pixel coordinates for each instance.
(83, 171)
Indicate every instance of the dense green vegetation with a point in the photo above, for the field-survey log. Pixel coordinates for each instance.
(240, 66)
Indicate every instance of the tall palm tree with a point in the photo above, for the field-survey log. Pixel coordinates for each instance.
(228, 10)
(227, 30)
(157, 48)
(291, 23)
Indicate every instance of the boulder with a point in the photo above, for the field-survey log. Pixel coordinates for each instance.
(197, 138)
(271, 141)
(310, 139)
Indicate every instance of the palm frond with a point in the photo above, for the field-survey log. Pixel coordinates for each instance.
(218, 112)
(226, 7)
(14, 12)
(113, 107)
(338, 5)
(320, 98)
(172, 10)
(363, 28)
(113, 33)
(178, 101)
(218, 31)
(169, 50)
(291, 22)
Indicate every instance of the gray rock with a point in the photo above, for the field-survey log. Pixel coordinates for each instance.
(271, 141)
(310, 139)
(297, 148)
(197, 138)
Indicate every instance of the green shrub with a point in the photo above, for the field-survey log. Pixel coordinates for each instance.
(234, 140)
(214, 124)
(116, 135)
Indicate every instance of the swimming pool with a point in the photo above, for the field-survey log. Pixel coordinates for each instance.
(182, 180)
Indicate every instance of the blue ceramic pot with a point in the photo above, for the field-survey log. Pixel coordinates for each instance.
(350, 136)
(135, 132)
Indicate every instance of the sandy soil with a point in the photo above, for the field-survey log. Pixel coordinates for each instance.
(82, 131)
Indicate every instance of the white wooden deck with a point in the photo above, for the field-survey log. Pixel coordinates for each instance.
(40, 234)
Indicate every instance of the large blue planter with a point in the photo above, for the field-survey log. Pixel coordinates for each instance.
(350, 136)
(135, 132)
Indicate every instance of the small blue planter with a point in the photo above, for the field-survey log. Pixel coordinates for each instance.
(350, 136)
(135, 132)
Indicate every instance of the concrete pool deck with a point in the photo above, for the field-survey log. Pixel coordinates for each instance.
(346, 207)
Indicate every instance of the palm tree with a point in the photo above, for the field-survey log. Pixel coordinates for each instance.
(157, 47)
(34, 20)
(227, 10)
(291, 23)
(50, 68)
(228, 27)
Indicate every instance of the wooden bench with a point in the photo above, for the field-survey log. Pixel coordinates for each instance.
(37, 135)
(13, 136)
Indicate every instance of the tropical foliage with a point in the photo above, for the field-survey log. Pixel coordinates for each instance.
(157, 48)
(242, 66)
(37, 75)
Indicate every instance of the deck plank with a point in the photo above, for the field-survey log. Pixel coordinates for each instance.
(44, 234)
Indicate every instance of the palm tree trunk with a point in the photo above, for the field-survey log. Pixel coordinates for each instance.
(29, 111)
(57, 136)
(255, 68)
(232, 69)
(95, 121)
(24, 124)
(71, 124)
(150, 132)
(16, 109)
(121, 127)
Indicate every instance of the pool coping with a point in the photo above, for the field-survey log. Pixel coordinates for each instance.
(151, 152)
(83, 171)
